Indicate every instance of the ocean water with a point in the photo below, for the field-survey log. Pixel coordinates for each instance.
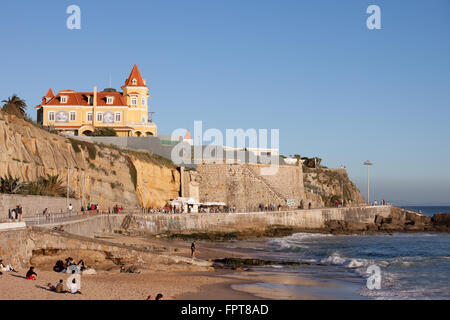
(428, 210)
(412, 265)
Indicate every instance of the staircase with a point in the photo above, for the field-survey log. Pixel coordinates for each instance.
(265, 183)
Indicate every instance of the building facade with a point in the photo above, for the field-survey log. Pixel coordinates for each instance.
(80, 113)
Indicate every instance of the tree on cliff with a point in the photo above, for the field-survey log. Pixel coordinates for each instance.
(14, 105)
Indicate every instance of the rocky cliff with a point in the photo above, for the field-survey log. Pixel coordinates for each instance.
(324, 186)
(100, 174)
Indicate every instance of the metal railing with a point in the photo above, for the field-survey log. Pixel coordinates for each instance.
(61, 218)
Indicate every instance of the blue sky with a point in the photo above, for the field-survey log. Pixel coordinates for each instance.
(309, 68)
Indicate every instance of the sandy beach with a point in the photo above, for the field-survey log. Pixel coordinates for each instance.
(117, 286)
(176, 282)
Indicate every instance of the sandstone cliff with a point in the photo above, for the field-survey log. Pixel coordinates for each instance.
(102, 174)
(156, 184)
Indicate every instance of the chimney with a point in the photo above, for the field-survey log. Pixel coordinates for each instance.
(145, 82)
(95, 97)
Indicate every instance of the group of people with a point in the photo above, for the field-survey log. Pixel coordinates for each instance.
(69, 266)
(117, 209)
(269, 207)
(15, 213)
(382, 203)
(225, 209)
(90, 207)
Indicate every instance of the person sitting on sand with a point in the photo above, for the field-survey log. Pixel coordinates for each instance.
(69, 262)
(51, 287)
(59, 266)
(149, 298)
(31, 275)
(59, 287)
(81, 265)
(6, 268)
(159, 296)
(73, 287)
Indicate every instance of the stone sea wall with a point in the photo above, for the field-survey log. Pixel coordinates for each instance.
(315, 219)
(33, 205)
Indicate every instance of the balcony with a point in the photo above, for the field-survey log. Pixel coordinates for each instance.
(140, 124)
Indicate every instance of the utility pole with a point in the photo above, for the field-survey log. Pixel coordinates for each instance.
(68, 188)
(82, 189)
(342, 187)
(368, 164)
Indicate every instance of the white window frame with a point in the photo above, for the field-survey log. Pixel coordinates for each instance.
(51, 114)
(89, 115)
(64, 99)
(134, 101)
(99, 114)
(134, 82)
(90, 99)
(120, 117)
(144, 101)
(109, 100)
(75, 116)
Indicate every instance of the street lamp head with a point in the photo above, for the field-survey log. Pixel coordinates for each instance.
(368, 163)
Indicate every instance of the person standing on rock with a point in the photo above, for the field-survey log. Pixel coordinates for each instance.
(193, 250)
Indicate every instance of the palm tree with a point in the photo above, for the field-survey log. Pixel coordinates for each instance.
(47, 186)
(14, 105)
(11, 185)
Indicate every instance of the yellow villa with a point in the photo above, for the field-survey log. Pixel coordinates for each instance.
(80, 113)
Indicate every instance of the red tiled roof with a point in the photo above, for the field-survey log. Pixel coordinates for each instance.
(49, 93)
(188, 136)
(77, 127)
(135, 74)
(81, 99)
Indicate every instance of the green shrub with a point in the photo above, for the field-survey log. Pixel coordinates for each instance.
(104, 132)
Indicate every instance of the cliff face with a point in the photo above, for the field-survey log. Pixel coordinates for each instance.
(324, 186)
(156, 185)
(102, 174)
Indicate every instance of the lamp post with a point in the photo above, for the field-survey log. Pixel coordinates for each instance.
(368, 164)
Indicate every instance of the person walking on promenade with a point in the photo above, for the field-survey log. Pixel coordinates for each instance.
(309, 206)
(70, 208)
(19, 212)
(193, 250)
(46, 214)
